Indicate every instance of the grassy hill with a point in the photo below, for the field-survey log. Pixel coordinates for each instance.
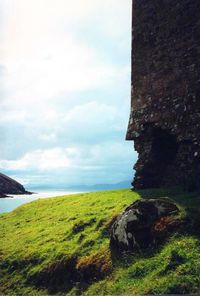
(61, 246)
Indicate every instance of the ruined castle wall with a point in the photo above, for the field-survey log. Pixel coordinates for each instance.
(165, 104)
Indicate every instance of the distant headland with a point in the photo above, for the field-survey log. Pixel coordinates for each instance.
(10, 186)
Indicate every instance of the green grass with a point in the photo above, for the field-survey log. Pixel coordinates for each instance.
(61, 246)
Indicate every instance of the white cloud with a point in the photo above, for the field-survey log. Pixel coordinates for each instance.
(40, 159)
(63, 84)
(83, 157)
(49, 57)
(51, 137)
(95, 113)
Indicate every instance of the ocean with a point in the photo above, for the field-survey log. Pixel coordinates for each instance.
(10, 203)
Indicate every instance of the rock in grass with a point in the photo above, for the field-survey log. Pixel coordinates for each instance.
(10, 186)
(137, 227)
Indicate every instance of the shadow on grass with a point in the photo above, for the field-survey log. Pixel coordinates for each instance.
(188, 202)
(189, 205)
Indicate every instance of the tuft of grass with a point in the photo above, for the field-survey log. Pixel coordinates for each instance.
(94, 267)
(61, 246)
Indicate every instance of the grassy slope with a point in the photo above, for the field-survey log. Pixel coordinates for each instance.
(49, 244)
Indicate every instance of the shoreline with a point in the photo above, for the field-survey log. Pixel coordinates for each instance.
(10, 195)
(12, 201)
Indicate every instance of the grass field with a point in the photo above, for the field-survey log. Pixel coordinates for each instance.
(61, 246)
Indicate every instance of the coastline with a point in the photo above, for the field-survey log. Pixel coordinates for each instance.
(12, 201)
(10, 195)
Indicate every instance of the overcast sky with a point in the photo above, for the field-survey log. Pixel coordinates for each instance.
(65, 91)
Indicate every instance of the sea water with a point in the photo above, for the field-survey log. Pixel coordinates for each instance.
(13, 201)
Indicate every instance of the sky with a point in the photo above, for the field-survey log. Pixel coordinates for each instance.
(65, 91)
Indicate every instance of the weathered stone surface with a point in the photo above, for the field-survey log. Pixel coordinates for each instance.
(137, 227)
(165, 109)
(10, 186)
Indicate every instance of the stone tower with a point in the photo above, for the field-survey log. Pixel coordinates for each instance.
(165, 105)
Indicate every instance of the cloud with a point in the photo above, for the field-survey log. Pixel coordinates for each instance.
(70, 157)
(41, 160)
(64, 84)
(92, 117)
(89, 162)
(48, 57)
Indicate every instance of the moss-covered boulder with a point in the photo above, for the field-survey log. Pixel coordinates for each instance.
(140, 224)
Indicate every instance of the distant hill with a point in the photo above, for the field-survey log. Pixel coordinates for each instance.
(120, 185)
(81, 187)
(10, 186)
